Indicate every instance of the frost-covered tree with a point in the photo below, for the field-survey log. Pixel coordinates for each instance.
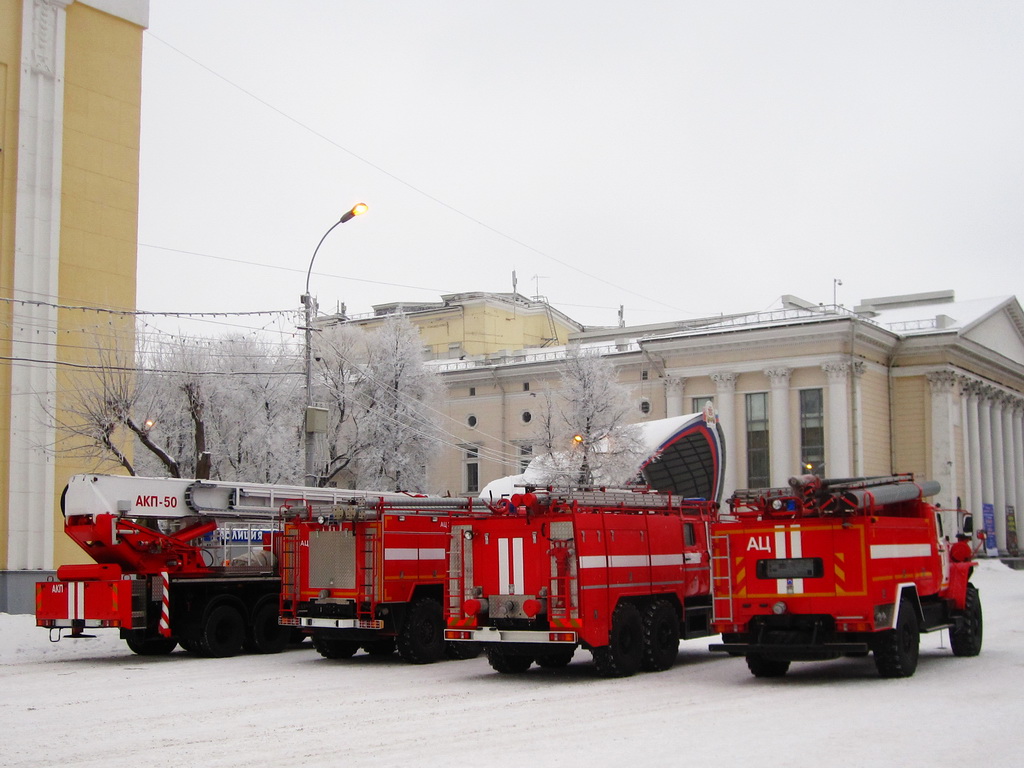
(584, 428)
(224, 408)
(383, 405)
(221, 408)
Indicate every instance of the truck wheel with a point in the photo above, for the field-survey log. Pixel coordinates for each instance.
(333, 647)
(266, 635)
(661, 636)
(965, 637)
(760, 666)
(461, 651)
(625, 650)
(384, 646)
(151, 646)
(421, 640)
(507, 663)
(896, 649)
(223, 632)
(556, 660)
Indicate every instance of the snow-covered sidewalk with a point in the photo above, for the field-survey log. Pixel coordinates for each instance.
(94, 703)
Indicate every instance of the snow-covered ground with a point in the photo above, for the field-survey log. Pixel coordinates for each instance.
(94, 703)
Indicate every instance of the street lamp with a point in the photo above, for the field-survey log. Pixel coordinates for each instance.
(310, 417)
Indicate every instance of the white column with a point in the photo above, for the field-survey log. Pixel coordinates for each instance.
(837, 455)
(725, 400)
(942, 384)
(973, 448)
(30, 492)
(675, 389)
(985, 443)
(780, 423)
(1009, 481)
(999, 470)
(1018, 461)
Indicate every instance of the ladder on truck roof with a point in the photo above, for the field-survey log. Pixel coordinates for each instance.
(182, 497)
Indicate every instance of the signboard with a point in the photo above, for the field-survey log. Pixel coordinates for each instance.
(988, 513)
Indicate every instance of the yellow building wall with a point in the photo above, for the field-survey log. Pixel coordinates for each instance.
(911, 404)
(99, 210)
(482, 328)
(99, 216)
(874, 418)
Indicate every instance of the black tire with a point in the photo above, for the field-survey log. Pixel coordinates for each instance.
(625, 650)
(896, 650)
(461, 651)
(965, 637)
(761, 666)
(421, 639)
(333, 647)
(383, 646)
(507, 663)
(222, 632)
(556, 659)
(265, 635)
(151, 646)
(661, 636)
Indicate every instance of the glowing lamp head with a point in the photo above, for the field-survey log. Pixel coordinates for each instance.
(356, 210)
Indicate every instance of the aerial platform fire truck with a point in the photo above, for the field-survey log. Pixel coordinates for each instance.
(370, 574)
(176, 561)
(625, 574)
(827, 568)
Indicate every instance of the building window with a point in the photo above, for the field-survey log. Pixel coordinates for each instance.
(700, 402)
(471, 462)
(643, 375)
(758, 460)
(472, 391)
(812, 431)
(526, 386)
(645, 406)
(525, 455)
(527, 417)
(471, 420)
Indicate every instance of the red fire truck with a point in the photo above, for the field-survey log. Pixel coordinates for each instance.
(370, 574)
(826, 568)
(624, 574)
(176, 561)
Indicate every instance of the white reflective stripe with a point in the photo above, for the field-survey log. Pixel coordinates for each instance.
(780, 553)
(678, 559)
(399, 553)
(412, 553)
(71, 600)
(517, 566)
(889, 551)
(628, 561)
(796, 549)
(503, 574)
(593, 561)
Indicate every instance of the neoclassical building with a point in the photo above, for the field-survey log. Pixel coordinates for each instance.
(921, 383)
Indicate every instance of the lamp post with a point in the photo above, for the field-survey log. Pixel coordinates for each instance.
(310, 414)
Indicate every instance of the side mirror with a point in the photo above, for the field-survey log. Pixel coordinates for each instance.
(967, 523)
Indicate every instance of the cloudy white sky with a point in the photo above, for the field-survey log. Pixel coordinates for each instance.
(678, 158)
